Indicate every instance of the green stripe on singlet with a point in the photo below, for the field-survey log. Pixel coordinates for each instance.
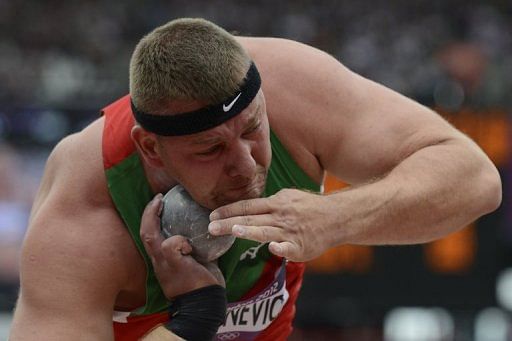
(130, 192)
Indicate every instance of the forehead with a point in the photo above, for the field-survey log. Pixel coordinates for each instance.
(248, 117)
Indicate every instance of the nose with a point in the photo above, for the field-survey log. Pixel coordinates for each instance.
(241, 162)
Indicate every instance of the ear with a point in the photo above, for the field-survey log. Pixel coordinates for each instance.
(147, 146)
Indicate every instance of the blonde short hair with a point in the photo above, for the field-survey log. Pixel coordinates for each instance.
(186, 59)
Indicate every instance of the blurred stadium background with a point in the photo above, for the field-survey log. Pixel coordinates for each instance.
(61, 61)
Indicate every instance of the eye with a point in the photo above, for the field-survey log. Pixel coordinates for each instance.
(252, 129)
(210, 151)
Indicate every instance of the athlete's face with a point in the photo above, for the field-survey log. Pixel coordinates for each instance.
(226, 163)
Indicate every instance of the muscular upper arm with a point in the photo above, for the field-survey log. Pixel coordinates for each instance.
(70, 268)
(355, 128)
(368, 129)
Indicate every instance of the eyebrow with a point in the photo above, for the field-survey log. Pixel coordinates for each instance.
(206, 140)
(253, 121)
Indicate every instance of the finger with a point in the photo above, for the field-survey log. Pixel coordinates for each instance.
(176, 252)
(175, 247)
(261, 234)
(287, 250)
(242, 208)
(215, 271)
(150, 227)
(225, 226)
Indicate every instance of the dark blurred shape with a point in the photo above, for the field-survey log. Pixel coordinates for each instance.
(464, 62)
(465, 66)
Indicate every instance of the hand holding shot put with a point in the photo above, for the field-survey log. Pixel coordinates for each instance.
(196, 290)
(177, 271)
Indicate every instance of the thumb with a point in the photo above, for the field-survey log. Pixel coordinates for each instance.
(283, 249)
(174, 248)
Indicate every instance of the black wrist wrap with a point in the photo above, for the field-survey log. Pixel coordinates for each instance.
(197, 315)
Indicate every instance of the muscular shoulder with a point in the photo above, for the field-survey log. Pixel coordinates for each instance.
(75, 168)
(301, 84)
(284, 60)
(292, 70)
(74, 233)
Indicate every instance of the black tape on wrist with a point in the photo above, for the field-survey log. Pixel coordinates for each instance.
(197, 315)
(205, 118)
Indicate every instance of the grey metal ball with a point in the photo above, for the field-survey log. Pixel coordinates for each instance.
(181, 215)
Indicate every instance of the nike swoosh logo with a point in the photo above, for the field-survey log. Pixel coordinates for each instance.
(228, 107)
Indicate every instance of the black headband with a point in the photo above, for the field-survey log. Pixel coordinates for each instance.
(204, 118)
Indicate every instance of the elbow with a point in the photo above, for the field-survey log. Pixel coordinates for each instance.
(490, 189)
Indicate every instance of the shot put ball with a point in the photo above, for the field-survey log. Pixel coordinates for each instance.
(181, 215)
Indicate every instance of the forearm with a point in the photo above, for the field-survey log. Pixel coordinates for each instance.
(434, 191)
